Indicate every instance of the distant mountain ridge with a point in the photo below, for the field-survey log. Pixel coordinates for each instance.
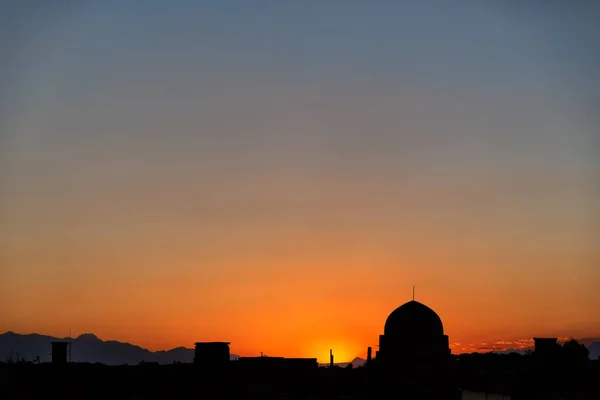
(357, 362)
(594, 349)
(88, 348)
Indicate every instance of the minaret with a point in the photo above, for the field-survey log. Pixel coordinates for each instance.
(331, 358)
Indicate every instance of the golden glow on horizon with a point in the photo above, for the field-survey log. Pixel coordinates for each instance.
(278, 315)
(293, 299)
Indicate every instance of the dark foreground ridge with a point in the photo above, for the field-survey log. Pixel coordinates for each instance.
(413, 362)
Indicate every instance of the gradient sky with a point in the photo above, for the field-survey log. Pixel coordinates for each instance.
(279, 174)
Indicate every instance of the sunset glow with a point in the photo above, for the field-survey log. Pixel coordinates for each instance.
(171, 176)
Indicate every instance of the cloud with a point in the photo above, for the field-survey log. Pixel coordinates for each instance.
(512, 345)
(506, 345)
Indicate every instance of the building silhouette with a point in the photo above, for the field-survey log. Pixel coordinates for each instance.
(59, 352)
(546, 352)
(413, 336)
(546, 345)
(211, 353)
(413, 362)
(414, 358)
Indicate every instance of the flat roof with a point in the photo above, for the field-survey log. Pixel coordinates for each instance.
(197, 343)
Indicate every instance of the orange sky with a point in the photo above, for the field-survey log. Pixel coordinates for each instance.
(320, 266)
(299, 307)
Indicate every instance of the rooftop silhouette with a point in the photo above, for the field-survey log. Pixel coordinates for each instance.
(413, 360)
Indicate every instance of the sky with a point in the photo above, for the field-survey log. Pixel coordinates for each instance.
(280, 174)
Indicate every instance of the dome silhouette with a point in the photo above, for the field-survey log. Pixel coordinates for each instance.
(413, 319)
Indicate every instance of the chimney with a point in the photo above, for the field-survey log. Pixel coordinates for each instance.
(369, 352)
(59, 352)
(330, 358)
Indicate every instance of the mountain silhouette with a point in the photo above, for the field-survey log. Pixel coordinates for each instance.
(88, 348)
(357, 362)
(594, 349)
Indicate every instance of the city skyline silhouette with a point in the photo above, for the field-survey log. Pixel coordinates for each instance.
(282, 176)
(413, 359)
(522, 346)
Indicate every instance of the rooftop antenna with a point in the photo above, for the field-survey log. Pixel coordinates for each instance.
(330, 358)
(413, 292)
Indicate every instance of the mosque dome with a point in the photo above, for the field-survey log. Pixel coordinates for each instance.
(413, 319)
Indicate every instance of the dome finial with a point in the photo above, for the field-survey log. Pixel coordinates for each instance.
(413, 292)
